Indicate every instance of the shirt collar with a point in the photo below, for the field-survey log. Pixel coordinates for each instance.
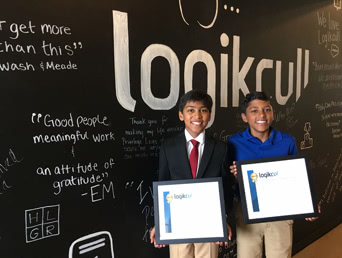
(274, 137)
(200, 138)
(247, 135)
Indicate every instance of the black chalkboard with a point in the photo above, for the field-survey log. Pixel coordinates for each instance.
(89, 90)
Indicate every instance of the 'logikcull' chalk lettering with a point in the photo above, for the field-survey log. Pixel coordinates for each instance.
(122, 73)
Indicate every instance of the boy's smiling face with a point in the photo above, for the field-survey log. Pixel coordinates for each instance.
(259, 116)
(196, 117)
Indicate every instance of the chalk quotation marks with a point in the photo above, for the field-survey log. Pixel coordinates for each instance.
(129, 184)
(36, 118)
(77, 45)
(99, 244)
(42, 223)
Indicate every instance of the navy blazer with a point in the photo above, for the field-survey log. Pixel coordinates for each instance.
(174, 163)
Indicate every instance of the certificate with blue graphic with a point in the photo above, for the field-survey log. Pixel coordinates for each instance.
(275, 189)
(189, 211)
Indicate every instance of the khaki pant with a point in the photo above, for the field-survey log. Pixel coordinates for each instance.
(197, 250)
(250, 238)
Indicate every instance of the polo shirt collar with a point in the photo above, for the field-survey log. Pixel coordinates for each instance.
(274, 137)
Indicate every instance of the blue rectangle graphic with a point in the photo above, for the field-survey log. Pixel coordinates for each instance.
(252, 178)
(167, 211)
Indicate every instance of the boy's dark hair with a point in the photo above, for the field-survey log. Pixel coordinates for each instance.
(195, 95)
(252, 96)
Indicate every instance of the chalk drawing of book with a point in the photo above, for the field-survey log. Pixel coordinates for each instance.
(96, 245)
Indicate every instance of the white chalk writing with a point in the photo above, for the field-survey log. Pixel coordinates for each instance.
(26, 31)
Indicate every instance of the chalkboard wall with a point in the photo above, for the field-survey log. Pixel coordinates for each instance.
(89, 90)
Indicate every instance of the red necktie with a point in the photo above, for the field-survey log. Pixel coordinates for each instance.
(194, 157)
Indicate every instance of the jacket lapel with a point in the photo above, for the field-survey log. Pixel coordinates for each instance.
(208, 150)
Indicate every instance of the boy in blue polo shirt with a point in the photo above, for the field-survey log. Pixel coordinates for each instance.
(260, 140)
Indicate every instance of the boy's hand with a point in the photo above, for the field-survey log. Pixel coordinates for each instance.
(233, 170)
(314, 218)
(152, 238)
(229, 237)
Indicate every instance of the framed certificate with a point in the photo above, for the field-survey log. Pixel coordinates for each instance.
(276, 189)
(189, 211)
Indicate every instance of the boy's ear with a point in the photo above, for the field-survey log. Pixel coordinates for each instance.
(181, 117)
(244, 117)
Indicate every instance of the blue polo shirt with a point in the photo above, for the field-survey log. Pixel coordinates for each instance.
(244, 146)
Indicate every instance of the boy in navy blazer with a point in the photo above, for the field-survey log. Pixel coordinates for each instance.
(212, 156)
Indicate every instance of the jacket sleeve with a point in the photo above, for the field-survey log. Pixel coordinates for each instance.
(164, 172)
(227, 181)
(231, 152)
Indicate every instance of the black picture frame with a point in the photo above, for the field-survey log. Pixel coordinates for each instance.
(159, 202)
(253, 202)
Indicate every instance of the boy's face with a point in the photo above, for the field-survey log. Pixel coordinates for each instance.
(195, 116)
(259, 116)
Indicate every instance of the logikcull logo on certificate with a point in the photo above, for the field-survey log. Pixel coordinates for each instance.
(168, 198)
(252, 179)
(167, 211)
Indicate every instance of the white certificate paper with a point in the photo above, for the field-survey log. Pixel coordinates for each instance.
(188, 211)
(275, 189)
